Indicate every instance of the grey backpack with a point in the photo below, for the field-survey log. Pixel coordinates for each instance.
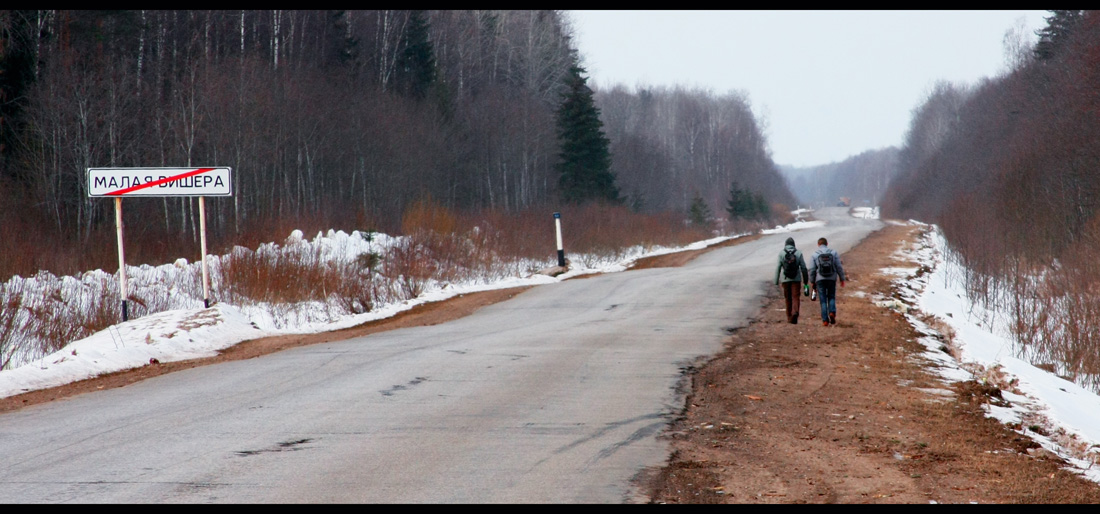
(825, 265)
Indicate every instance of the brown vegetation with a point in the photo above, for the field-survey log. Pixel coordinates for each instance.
(1009, 169)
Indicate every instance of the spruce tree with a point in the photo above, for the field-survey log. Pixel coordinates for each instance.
(760, 206)
(416, 62)
(739, 206)
(1060, 24)
(17, 58)
(342, 48)
(746, 205)
(699, 212)
(584, 158)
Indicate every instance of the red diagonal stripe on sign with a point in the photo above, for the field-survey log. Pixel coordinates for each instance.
(159, 182)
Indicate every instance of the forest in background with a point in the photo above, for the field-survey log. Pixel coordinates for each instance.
(863, 179)
(1009, 169)
(674, 144)
(329, 119)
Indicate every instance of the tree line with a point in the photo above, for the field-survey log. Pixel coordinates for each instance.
(673, 144)
(862, 178)
(1009, 168)
(343, 118)
(1017, 151)
(322, 111)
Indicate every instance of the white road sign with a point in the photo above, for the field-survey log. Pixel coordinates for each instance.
(160, 182)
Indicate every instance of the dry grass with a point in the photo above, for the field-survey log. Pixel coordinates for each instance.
(12, 298)
(1052, 311)
(36, 322)
(290, 274)
(608, 230)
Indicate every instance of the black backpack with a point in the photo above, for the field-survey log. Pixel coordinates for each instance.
(790, 264)
(825, 265)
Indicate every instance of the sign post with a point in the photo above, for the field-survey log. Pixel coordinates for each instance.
(159, 182)
(121, 256)
(202, 243)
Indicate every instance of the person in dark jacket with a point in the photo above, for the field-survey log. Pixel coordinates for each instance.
(791, 284)
(825, 270)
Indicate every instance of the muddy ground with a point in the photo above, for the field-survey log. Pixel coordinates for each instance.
(791, 413)
(848, 413)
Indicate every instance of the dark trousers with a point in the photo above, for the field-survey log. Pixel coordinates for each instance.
(792, 297)
(826, 296)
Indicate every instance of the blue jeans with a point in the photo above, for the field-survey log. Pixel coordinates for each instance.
(826, 296)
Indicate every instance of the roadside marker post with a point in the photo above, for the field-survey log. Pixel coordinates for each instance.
(160, 182)
(561, 251)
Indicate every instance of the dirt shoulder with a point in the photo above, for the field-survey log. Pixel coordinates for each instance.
(847, 414)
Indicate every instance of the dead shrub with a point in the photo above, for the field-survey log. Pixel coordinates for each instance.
(297, 272)
(355, 294)
(1056, 310)
(410, 266)
(426, 216)
(609, 230)
(527, 234)
(11, 300)
(44, 313)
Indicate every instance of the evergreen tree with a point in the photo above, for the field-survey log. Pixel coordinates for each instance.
(699, 212)
(343, 48)
(760, 206)
(416, 63)
(1060, 24)
(737, 207)
(746, 205)
(17, 56)
(585, 158)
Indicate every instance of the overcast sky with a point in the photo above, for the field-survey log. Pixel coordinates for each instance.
(826, 84)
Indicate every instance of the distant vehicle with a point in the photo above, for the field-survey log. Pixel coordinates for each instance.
(844, 202)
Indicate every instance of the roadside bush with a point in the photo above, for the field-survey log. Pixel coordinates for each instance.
(296, 272)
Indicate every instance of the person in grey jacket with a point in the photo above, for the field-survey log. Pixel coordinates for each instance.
(791, 283)
(825, 270)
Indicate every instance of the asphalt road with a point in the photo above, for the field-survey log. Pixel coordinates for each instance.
(555, 396)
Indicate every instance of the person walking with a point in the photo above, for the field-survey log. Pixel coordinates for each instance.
(825, 270)
(792, 276)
